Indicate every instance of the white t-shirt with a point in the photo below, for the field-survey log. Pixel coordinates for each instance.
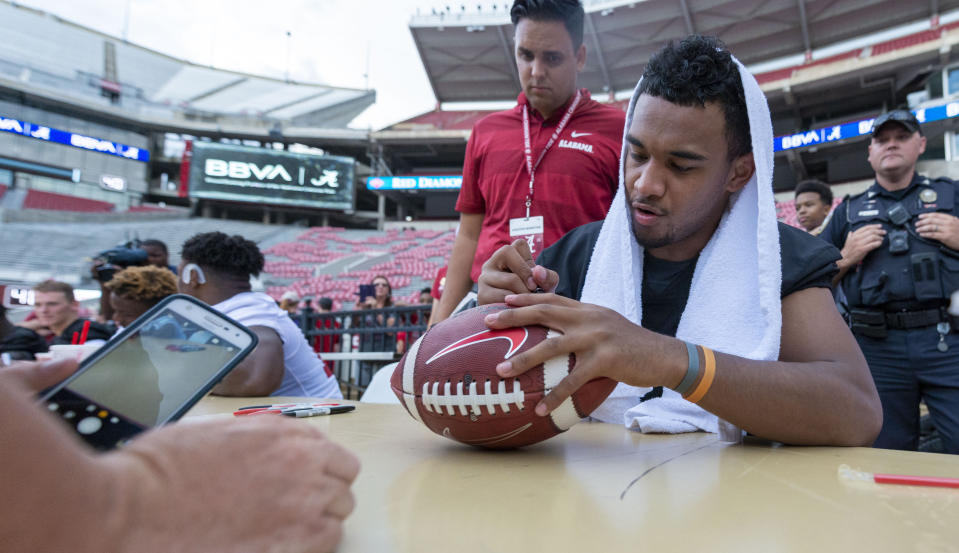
(304, 375)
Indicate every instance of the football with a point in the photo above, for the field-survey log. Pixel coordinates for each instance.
(447, 380)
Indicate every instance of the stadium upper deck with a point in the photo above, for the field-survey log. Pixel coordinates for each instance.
(461, 49)
(44, 55)
(92, 117)
(821, 63)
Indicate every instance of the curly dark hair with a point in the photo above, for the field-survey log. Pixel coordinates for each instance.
(697, 71)
(817, 186)
(146, 284)
(232, 255)
(569, 12)
(154, 243)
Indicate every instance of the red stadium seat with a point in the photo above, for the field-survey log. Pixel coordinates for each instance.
(416, 256)
(906, 41)
(37, 199)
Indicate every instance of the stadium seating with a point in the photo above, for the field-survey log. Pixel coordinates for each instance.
(34, 251)
(906, 41)
(874, 50)
(409, 259)
(37, 199)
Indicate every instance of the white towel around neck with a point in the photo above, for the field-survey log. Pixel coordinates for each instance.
(734, 301)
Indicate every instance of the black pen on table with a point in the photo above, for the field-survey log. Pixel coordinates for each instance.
(319, 411)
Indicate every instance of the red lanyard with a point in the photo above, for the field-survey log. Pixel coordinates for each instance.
(530, 166)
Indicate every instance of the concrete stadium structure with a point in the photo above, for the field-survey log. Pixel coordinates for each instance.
(821, 63)
(93, 117)
(826, 66)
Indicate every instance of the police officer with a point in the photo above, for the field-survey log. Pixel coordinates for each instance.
(899, 266)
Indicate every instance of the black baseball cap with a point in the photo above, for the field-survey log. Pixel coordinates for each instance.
(902, 116)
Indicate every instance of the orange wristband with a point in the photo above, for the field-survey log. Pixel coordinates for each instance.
(709, 372)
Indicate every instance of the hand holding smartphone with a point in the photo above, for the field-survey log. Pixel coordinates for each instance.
(151, 373)
(366, 291)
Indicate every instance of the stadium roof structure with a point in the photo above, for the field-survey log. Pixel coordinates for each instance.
(44, 55)
(820, 63)
(468, 56)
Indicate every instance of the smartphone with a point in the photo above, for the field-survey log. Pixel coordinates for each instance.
(151, 373)
(366, 291)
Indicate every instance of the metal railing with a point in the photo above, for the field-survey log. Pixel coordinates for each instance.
(355, 344)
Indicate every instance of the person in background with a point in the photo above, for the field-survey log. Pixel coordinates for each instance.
(18, 343)
(58, 311)
(403, 337)
(157, 254)
(382, 298)
(143, 497)
(566, 177)
(439, 283)
(382, 294)
(426, 295)
(813, 205)
(900, 264)
(330, 342)
(216, 268)
(134, 290)
(324, 305)
(290, 302)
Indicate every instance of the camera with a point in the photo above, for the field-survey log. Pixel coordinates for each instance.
(108, 262)
(898, 241)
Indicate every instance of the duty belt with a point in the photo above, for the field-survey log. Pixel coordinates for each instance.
(875, 322)
(915, 319)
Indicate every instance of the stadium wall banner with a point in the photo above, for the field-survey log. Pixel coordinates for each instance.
(446, 182)
(90, 143)
(825, 135)
(273, 177)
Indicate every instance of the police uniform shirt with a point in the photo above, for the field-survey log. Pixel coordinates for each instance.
(807, 262)
(926, 271)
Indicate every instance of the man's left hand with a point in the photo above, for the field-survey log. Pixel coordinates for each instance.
(606, 344)
(939, 226)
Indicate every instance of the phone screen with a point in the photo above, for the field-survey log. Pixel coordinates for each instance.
(366, 291)
(161, 364)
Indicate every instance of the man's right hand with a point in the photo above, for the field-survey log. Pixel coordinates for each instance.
(269, 484)
(860, 242)
(511, 270)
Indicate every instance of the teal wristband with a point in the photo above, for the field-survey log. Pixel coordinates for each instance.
(692, 372)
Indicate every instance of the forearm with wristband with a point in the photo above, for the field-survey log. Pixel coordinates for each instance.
(699, 375)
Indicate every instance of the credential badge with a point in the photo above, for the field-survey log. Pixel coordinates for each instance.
(928, 195)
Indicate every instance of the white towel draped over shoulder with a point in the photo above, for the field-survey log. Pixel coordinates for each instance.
(734, 301)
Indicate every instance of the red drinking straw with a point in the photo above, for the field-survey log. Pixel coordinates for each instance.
(849, 474)
(75, 339)
(83, 335)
